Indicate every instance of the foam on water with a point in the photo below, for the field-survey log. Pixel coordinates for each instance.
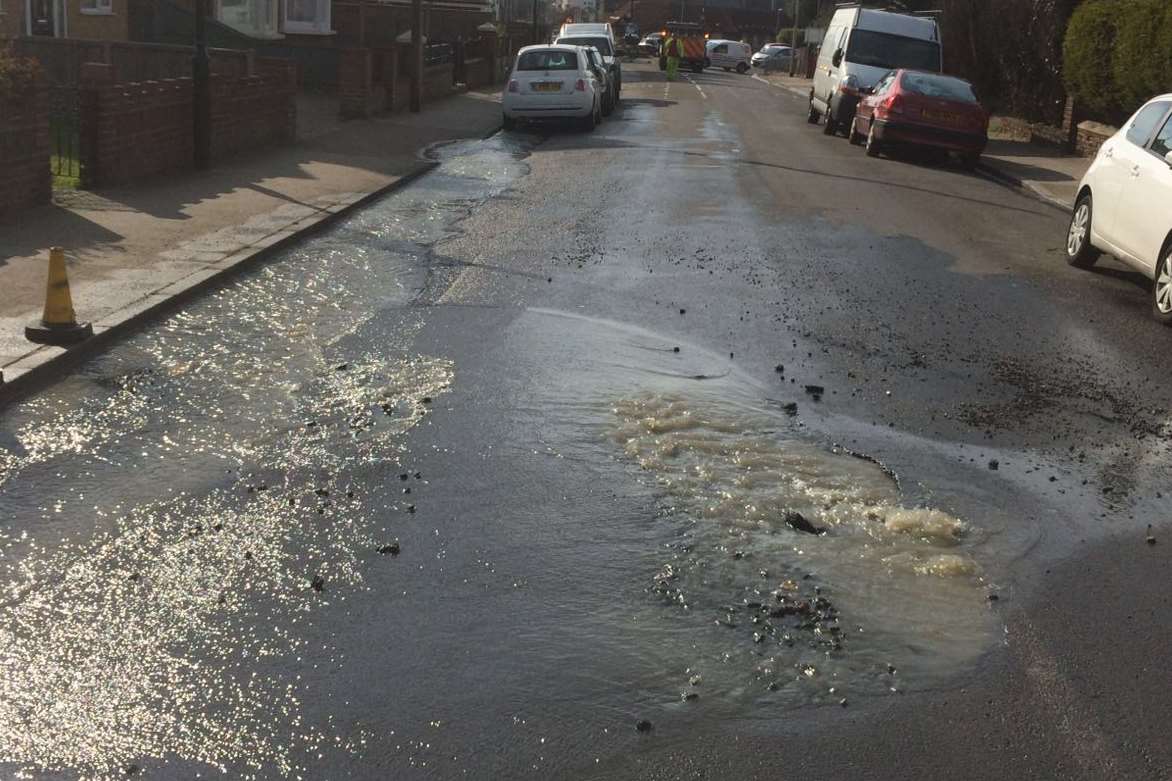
(883, 584)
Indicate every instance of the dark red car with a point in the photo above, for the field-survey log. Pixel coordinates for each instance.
(916, 108)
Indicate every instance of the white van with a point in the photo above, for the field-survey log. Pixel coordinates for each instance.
(601, 37)
(730, 55)
(861, 46)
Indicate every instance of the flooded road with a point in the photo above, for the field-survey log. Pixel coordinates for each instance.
(526, 454)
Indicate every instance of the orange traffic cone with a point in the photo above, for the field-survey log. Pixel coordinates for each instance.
(58, 325)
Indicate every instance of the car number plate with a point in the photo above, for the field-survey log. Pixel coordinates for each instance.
(940, 116)
(547, 86)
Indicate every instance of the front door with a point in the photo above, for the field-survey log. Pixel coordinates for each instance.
(1120, 160)
(46, 17)
(1141, 218)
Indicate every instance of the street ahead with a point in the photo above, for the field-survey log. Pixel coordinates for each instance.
(519, 472)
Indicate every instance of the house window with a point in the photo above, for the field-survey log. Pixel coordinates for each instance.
(307, 16)
(97, 6)
(257, 18)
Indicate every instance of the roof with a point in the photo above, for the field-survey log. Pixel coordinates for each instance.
(577, 28)
(922, 27)
(544, 46)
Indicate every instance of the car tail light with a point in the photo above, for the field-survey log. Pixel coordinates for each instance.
(892, 105)
(514, 86)
(580, 86)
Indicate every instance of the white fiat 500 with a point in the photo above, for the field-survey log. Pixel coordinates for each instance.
(1124, 204)
(552, 82)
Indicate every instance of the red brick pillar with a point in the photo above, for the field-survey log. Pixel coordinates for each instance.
(354, 83)
(96, 77)
(24, 151)
(1070, 124)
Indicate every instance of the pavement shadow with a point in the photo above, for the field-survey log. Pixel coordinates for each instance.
(1031, 173)
(52, 224)
(1003, 147)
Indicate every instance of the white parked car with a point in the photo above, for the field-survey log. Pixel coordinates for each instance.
(767, 51)
(1124, 204)
(552, 82)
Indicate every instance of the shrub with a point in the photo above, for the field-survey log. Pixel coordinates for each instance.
(18, 75)
(1141, 64)
(1087, 55)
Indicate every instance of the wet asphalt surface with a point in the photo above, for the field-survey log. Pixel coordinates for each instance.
(507, 464)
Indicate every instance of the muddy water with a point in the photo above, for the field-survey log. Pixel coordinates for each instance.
(796, 571)
(176, 513)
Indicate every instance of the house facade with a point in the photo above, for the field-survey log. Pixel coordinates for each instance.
(106, 20)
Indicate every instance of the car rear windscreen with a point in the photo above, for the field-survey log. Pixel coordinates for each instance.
(944, 87)
(881, 50)
(601, 43)
(548, 60)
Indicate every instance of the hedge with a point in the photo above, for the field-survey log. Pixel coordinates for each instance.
(18, 75)
(1118, 54)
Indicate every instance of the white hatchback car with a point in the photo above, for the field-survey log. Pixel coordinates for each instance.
(552, 82)
(1124, 204)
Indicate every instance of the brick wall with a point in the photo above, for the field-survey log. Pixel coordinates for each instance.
(438, 81)
(355, 83)
(11, 18)
(103, 27)
(478, 73)
(24, 153)
(134, 130)
(1091, 136)
(140, 129)
(253, 111)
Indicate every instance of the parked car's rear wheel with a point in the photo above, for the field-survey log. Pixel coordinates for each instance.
(590, 121)
(1162, 289)
(508, 123)
(874, 147)
(742, 68)
(608, 104)
(815, 116)
(969, 161)
(1080, 253)
(854, 136)
(831, 127)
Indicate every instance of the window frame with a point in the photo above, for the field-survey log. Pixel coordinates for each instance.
(1156, 128)
(97, 7)
(1165, 123)
(322, 25)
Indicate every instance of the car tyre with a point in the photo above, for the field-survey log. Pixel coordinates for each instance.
(831, 127)
(854, 136)
(742, 68)
(590, 121)
(508, 123)
(970, 161)
(874, 146)
(1162, 288)
(1080, 253)
(608, 105)
(815, 116)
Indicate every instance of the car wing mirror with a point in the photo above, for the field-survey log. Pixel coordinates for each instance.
(866, 90)
(837, 59)
(1168, 159)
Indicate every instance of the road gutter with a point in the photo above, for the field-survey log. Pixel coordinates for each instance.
(43, 365)
(994, 174)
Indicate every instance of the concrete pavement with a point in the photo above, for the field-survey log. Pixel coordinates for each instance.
(133, 249)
